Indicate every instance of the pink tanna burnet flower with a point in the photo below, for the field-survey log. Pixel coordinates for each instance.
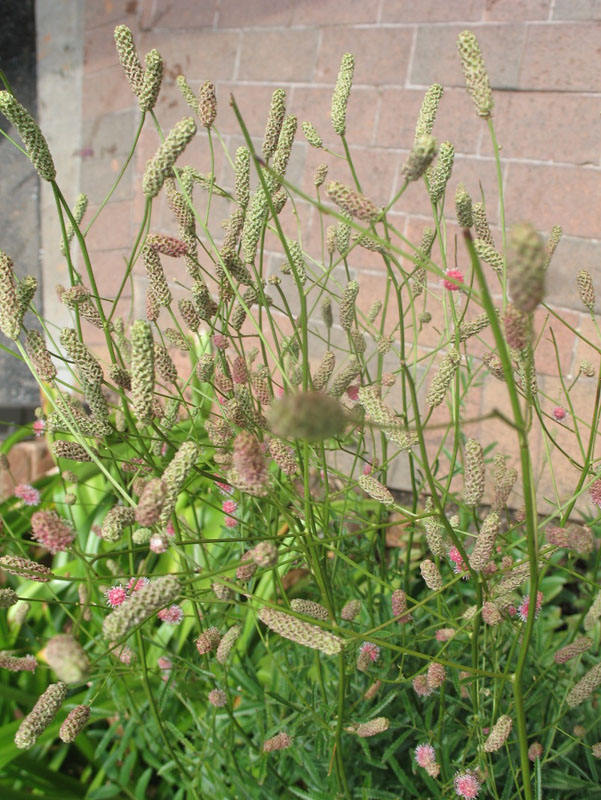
(368, 469)
(466, 785)
(524, 606)
(172, 615)
(224, 487)
(353, 393)
(229, 506)
(456, 277)
(170, 529)
(115, 596)
(164, 663)
(28, 494)
(595, 492)
(135, 584)
(425, 757)
(220, 341)
(458, 563)
(39, 426)
(231, 522)
(559, 414)
(372, 651)
(158, 543)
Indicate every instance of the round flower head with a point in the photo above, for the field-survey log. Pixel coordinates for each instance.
(454, 277)
(425, 755)
(172, 615)
(458, 563)
(466, 785)
(158, 543)
(115, 596)
(559, 413)
(220, 341)
(372, 651)
(217, 698)
(135, 584)
(54, 533)
(525, 605)
(164, 663)
(28, 494)
(229, 506)
(39, 426)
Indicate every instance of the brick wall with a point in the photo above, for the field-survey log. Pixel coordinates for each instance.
(544, 62)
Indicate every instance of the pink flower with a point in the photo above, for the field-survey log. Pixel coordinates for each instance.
(164, 663)
(27, 493)
(467, 785)
(158, 543)
(421, 686)
(51, 531)
(594, 491)
(229, 506)
(353, 393)
(371, 650)
(164, 448)
(367, 469)
(115, 596)
(456, 276)
(220, 341)
(444, 634)
(525, 605)
(224, 487)
(172, 615)
(231, 522)
(279, 391)
(559, 413)
(170, 529)
(135, 584)
(39, 426)
(425, 755)
(458, 563)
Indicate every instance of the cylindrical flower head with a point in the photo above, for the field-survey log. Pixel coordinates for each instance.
(463, 207)
(347, 305)
(37, 351)
(552, 242)
(116, 521)
(15, 664)
(535, 751)
(281, 741)
(498, 735)
(473, 473)
(398, 603)
(153, 77)
(431, 575)
(302, 633)
(151, 502)
(40, 716)
(207, 104)
(265, 554)
(345, 376)
(586, 290)
(481, 224)
(420, 158)
(227, 643)
(428, 110)
(350, 610)
(491, 614)
(372, 728)
(585, 686)
(86, 363)
(208, 640)
(321, 173)
(26, 568)
(434, 532)
(163, 363)
(489, 255)
(72, 451)
(54, 533)
(67, 658)
(311, 135)
(575, 648)
(307, 415)
(283, 457)
(526, 267)
(593, 614)
(442, 380)
(375, 489)
(353, 202)
(342, 92)
(160, 167)
(31, 135)
(8, 598)
(157, 283)
(440, 173)
(250, 467)
(516, 327)
(485, 542)
(242, 176)
(436, 675)
(74, 724)
(142, 370)
(140, 605)
(476, 75)
(277, 112)
(310, 609)
(283, 150)
(128, 58)
(596, 750)
(10, 318)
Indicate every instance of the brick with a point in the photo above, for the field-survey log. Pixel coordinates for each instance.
(550, 195)
(107, 90)
(546, 126)
(100, 12)
(109, 268)
(99, 48)
(381, 54)
(432, 10)
(277, 56)
(200, 54)
(436, 59)
(585, 10)
(515, 10)
(572, 255)
(112, 229)
(545, 354)
(376, 169)
(314, 105)
(332, 12)
(255, 13)
(253, 103)
(586, 348)
(566, 62)
(455, 120)
(178, 14)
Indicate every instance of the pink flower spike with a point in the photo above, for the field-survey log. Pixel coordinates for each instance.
(115, 596)
(367, 469)
(594, 491)
(231, 522)
(172, 615)
(467, 785)
(372, 650)
(27, 493)
(524, 606)
(164, 663)
(220, 341)
(458, 563)
(425, 755)
(170, 529)
(559, 413)
(39, 426)
(224, 487)
(456, 276)
(229, 506)
(135, 584)
(353, 393)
